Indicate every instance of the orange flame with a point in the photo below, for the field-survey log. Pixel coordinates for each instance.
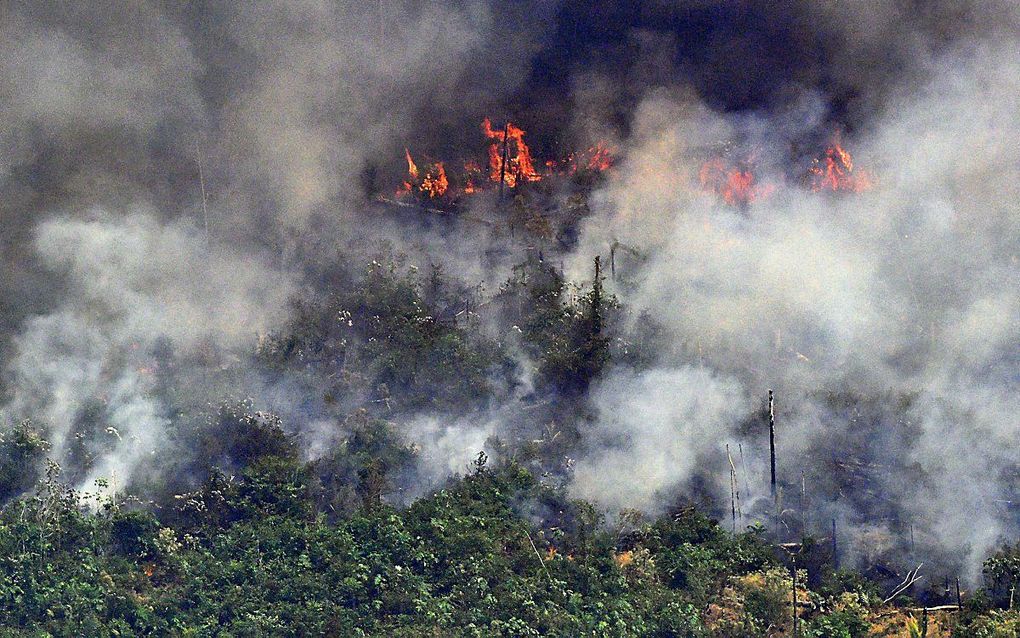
(412, 169)
(433, 184)
(412, 173)
(505, 145)
(835, 172)
(600, 157)
(737, 186)
(519, 165)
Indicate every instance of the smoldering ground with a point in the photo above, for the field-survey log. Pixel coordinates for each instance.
(885, 321)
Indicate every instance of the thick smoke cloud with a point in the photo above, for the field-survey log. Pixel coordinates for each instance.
(886, 322)
(259, 127)
(649, 424)
(908, 291)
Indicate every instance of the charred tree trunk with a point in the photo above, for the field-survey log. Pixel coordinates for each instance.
(772, 448)
(502, 164)
(835, 547)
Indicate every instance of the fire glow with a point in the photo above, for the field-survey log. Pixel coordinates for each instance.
(510, 163)
(505, 165)
(736, 185)
(835, 172)
(433, 183)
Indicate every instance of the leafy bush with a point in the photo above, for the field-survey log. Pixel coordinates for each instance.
(1002, 573)
(22, 449)
(995, 624)
(844, 623)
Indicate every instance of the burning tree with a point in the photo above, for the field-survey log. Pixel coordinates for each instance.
(835, 171)
(509, 166)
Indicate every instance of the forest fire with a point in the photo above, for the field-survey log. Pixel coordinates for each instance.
(736, 185)
(505, 165)
(433, 184)
(835, 172)
(510, 163)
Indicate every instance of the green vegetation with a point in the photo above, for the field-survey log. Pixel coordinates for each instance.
(230, 530)
(251, 556)
(254, 556)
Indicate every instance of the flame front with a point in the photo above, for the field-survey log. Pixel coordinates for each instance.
(835, 172)
(434, 184)
(519, 166)
(510, 162)
(736, 185)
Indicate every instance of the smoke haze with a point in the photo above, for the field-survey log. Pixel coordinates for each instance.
(886, 322)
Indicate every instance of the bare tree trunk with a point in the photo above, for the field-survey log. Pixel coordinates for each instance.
(772, 446)
(733, 490)
(835, 547)
(502, 165)
(201, 182)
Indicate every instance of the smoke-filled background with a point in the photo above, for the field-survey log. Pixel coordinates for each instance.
(174, 176)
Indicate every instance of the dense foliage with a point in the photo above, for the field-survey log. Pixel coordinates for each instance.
(251, 557)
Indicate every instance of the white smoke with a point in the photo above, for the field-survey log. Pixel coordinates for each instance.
(653, 428)
(132, 284)
(909, 290)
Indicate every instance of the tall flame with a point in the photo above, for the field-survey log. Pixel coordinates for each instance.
(736, 185)
(509, 144)
(835, 172)
(412, 169)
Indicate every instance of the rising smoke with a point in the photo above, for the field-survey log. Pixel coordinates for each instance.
(907, 292)
(886, 322)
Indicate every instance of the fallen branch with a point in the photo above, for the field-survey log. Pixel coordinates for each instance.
(911, 578)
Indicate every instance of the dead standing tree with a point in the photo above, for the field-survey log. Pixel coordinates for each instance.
(502, 164)
(835, 547)
(734, 491)
(772, 450)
